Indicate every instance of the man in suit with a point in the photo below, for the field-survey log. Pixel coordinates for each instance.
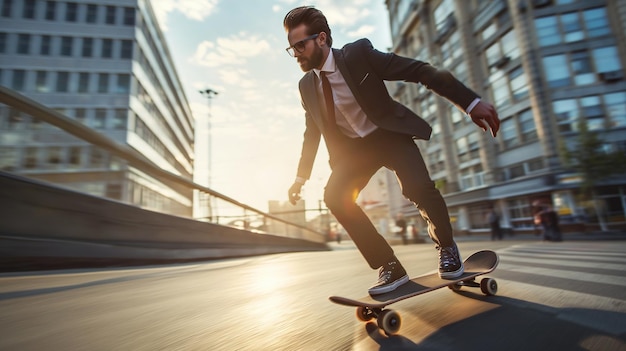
(346, 102)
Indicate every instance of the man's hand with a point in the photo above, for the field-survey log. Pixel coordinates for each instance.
(294, 192)
(485, 116)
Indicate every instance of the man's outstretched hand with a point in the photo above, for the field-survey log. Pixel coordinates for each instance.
(294, 192)
(485, 116)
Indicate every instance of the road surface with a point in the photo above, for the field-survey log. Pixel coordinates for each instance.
(552, 296)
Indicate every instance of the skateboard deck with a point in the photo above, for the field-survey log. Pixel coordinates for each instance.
(372, 306)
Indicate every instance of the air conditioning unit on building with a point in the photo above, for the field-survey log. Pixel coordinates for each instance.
(612, 76)
(541, 3)
(502, 61)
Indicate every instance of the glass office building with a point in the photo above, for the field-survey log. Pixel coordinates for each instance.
(545, 65)
(107, 65)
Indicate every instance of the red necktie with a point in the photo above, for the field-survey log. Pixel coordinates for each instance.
(328, 98)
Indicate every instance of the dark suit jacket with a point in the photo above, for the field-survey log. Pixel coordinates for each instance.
(365, 69)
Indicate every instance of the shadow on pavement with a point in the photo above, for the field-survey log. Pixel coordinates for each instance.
(519, 325)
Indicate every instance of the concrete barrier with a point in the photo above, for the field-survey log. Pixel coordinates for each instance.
(43, 225)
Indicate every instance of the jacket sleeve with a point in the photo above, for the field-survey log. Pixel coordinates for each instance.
(310, 145)
(390, 66)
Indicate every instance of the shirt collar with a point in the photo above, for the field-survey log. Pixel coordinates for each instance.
(329, 66)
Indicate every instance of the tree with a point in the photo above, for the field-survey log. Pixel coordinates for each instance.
(594, 160)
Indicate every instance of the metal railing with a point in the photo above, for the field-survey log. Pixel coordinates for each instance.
(248, 217)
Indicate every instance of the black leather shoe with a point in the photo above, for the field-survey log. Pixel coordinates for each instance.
(450, 264)
(390, 277)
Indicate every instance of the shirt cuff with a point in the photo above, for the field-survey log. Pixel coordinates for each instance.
(300, 180)
(471, 106)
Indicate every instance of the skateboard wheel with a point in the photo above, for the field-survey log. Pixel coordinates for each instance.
(488, 286)
(455, 287)
(364, 314)
(389, 322)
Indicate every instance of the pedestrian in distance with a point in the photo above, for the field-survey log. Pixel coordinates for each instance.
(548, 219)
(346, 102)
(494, 223)
(401, 228)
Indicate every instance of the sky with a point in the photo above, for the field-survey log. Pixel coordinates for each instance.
(237, 49)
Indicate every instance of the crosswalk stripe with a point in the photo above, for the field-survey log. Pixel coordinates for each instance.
(572, 275)
(574, 262)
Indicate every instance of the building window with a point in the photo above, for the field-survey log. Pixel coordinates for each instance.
(456, 115)
(81, 115)
(100, 118)
(54, 159)
(547, 31)
(528, 129)
(520, 213)
(508, 133)
(472, 177)
(103, 83)
(87, 47)
(96, 158)
(123, 84)
(119, 122)
(572, 28)
(129, 16)
(442, 12)
(3, 43)
(8, 159)
(28, 11)
(63, 79)
(74, 157)
(567, 114)
(607, 60)
(107, 48)
(46, 44)
(19, 80)
(519, 85)
(7, 7)
(92, 13)
(41, 83)
(71, 11)
(581, 67)
(127, 49)
(592, 110)
(110, 15)
(51, 7)
(23, 44)
(596, 22)
(500, 89)
(66, 46)
(436, 162)
(478, 216)
(31, 157)
(113, 191)
(451, 49)
(83, 82)
(556, 69)
(616, 109)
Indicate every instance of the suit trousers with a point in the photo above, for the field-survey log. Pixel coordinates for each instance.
(354, 162)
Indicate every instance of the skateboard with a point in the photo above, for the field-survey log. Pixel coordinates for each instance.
(373, 306)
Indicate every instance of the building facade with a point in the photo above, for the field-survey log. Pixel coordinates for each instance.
(106, 64)
(546, 65)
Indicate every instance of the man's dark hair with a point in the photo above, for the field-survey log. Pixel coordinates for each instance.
(312, 18)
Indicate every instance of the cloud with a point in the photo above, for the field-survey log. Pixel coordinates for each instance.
(362, 31)
(234, 50)
(196, 10)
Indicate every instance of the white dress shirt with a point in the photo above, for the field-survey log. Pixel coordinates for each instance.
(350, 118)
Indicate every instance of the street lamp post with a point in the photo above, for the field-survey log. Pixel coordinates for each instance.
(209, 93)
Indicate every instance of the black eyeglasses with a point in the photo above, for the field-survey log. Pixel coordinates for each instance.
(299, 46)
